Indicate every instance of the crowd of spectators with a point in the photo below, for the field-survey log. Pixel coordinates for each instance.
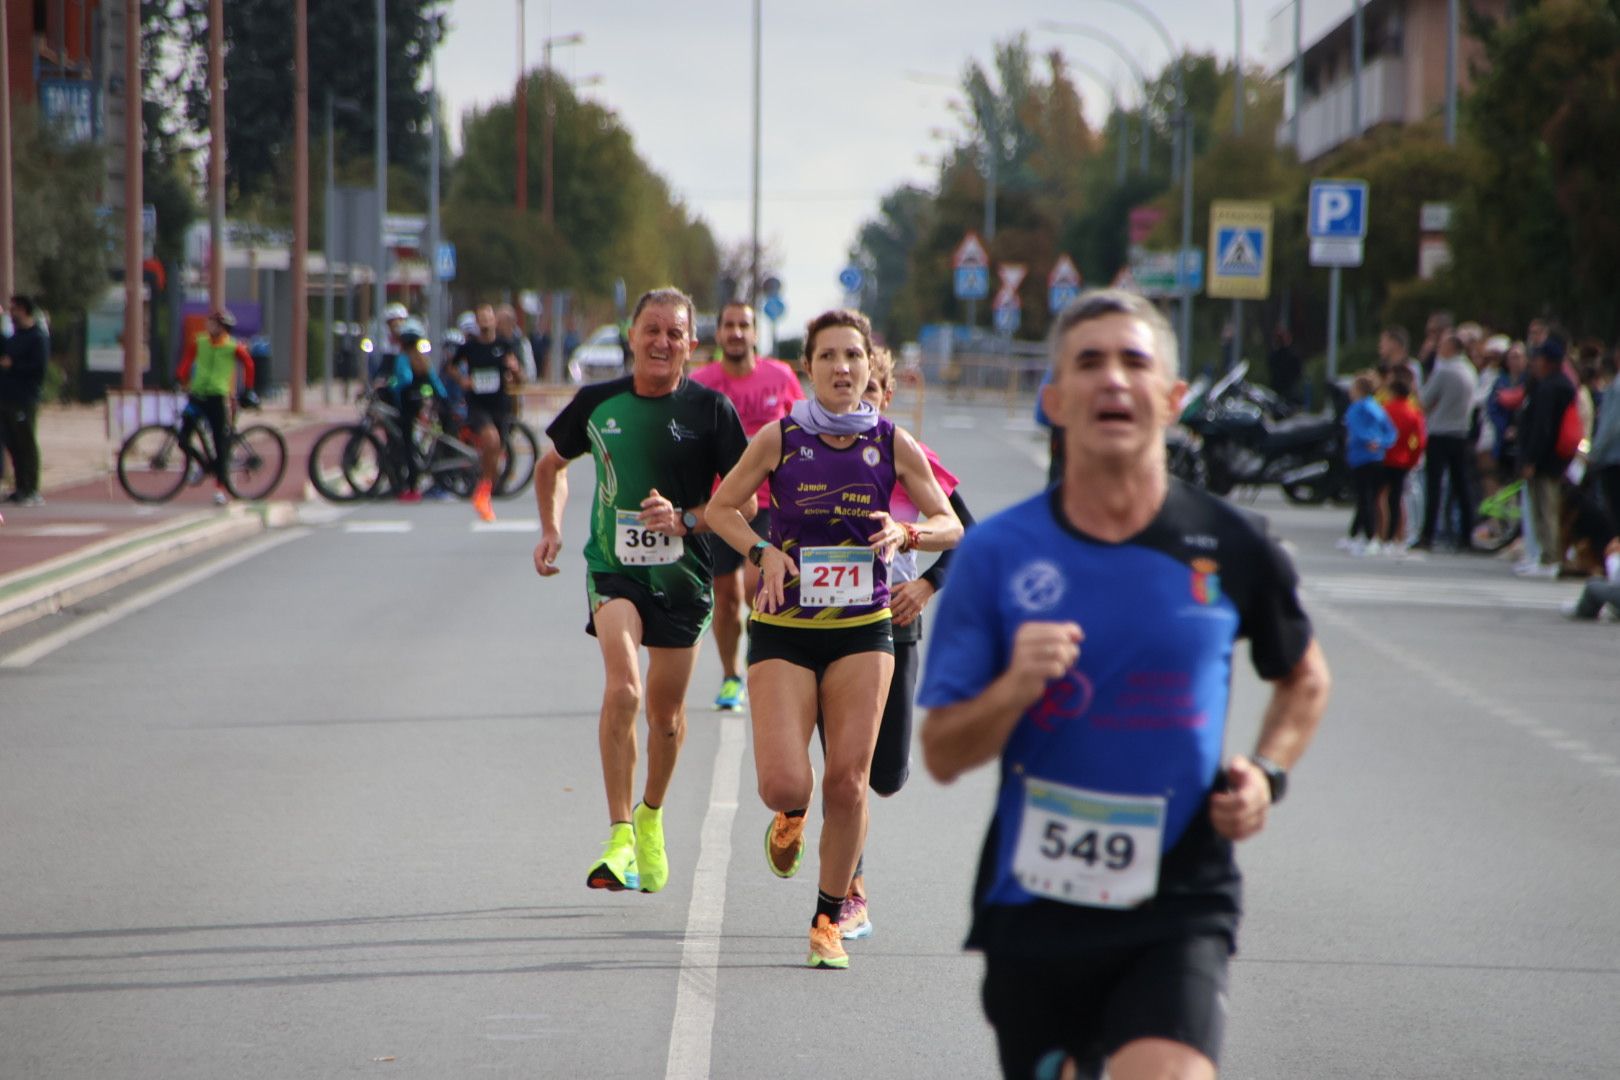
(1495, 434)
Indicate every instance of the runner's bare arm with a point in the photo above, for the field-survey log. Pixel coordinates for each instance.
(956, 738)
(550, 495)
(939, 529)
(1298, 700)
(725, 512)
(659, 514)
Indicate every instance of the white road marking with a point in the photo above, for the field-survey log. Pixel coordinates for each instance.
(958, 422)
(691, 1036)
(63, 530)
(378, 527)
(1384, 589)
(505, 526)
(91, 623)
(1456, 687)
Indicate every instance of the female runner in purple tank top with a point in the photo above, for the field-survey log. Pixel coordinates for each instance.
(819, 635)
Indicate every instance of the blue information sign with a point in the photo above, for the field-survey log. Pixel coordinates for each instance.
(972, 282)
(774, 308)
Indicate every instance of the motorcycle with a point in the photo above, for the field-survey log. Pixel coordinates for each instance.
(1247, 437)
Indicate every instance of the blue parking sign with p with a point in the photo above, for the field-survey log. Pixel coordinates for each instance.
(1338, 209)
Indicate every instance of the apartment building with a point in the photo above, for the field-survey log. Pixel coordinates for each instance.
(1403, 74)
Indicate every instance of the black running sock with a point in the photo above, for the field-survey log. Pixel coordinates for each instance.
(796, 813)
(830, 906)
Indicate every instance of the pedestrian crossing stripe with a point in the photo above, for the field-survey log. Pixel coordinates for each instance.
(1242, 252)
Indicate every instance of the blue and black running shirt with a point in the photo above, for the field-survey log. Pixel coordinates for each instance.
(1143, 712)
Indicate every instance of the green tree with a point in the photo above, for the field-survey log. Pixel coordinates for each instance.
(614, 217)
(259, 79)
(883, 250)
(1538, 228)
(64, 247)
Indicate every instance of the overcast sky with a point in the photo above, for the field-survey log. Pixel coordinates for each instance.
(843, 120)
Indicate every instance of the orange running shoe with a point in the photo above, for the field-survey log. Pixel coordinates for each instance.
(826, 945)
(480, 501)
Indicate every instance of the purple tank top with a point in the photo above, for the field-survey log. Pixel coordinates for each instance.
(820, 499)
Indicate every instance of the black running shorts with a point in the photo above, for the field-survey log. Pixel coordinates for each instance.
(815, 649)
(1087, 1005)
(488, 410)
(662, 626)
(726, 559)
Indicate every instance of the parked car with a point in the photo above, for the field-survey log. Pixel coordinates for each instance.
(598, 358)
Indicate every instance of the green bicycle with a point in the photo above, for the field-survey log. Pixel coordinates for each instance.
(1499, 519)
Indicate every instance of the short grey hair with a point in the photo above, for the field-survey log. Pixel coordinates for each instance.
(667, 296)
(1100, 303)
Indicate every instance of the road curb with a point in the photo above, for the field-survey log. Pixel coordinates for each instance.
(50, 587)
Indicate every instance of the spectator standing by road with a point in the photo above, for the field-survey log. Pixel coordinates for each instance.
(1540, 463)
(1285, 367)
(1411, 436)
(22, 379)
(1369, 433)
(1448, 399)
(1603, 455)
(1086, 639)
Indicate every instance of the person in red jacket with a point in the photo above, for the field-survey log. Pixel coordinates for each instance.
(1411, 435)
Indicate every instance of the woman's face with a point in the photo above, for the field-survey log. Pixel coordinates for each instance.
(839, 368)
(877, 395)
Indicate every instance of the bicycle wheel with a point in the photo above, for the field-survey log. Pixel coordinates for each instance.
(345, 463)
(152, 464)
(520, 449)
(257, 463)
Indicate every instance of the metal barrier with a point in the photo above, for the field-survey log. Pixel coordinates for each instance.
(126, 410)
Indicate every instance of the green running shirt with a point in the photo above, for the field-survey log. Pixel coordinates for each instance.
(680, 443)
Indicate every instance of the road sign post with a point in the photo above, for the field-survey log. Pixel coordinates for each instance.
(1337, 226)
(970, 272)
(1239, 258)
(1062, 284)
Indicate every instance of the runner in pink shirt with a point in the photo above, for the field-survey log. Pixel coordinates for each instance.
(762, 390)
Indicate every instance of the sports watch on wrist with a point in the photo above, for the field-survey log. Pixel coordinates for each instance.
(757, 552)
(690, 520)
(1276, 776)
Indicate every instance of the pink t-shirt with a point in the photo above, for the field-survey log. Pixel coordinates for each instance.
(901, 508)
(762, 397)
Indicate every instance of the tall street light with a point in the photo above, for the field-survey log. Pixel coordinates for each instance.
(216, 153)
(134, 333)
(327, 240)
(6, 240)
(520, 109)
(380, 286)
(754, 273)
(299, 368)
(549, 195)
(1184, 118)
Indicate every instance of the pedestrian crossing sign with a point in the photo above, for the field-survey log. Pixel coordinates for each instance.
(1240, 249)
(1239, 252)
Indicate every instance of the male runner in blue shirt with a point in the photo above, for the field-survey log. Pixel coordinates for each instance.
(1086, 638)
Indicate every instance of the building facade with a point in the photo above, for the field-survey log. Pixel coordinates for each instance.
(1403, 75)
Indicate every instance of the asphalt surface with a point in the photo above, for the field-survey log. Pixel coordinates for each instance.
(321, 805)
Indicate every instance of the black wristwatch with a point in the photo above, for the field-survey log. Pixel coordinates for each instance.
(757, 552)
(1276, 776)
(690, 520)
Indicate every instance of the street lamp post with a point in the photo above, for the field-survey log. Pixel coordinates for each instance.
(299, 351)
(754, 274)
(216, 153)
(520, 107)
(548, 202)
(1184, 121)
(380, 287)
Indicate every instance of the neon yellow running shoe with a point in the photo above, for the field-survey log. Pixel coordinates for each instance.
(649, 824)
(826, 945)
(784, 844)
(616, 869)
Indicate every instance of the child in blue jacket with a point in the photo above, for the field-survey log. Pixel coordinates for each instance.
(1369, 433)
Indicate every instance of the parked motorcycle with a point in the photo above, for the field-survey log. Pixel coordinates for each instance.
(1246, 437)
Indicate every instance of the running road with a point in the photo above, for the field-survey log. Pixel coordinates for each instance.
(321, 806)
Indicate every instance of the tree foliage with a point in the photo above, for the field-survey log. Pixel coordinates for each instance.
(62, 245)
(1538, 227)
(615, 218)
(259, 80)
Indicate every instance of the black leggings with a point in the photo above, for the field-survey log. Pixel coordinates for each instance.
(1366, 479)
(1394, 496)
(218, 418)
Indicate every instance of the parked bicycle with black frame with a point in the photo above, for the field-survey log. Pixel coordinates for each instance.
(158, 460)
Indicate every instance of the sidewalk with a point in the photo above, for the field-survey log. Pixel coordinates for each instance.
(90, 536)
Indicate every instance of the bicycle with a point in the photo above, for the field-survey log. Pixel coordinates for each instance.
(158, 460)
(1499, 518)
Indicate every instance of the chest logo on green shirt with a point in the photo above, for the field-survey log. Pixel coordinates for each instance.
(611, 427)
